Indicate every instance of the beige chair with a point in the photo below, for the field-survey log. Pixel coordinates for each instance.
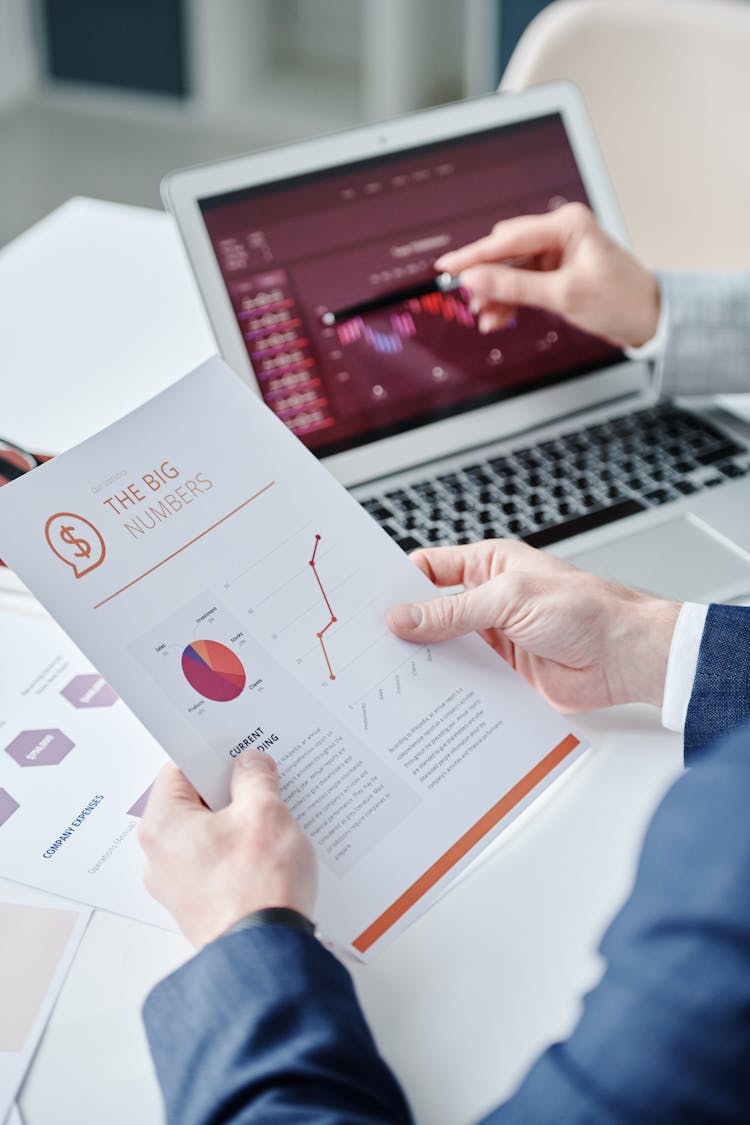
(667, 83)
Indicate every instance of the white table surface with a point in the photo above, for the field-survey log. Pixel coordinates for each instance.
(99, 312)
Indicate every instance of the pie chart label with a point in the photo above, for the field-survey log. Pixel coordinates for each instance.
(213, 671)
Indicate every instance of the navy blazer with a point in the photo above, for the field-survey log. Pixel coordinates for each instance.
(264, 1025)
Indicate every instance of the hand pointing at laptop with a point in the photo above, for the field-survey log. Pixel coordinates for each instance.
(561, 261)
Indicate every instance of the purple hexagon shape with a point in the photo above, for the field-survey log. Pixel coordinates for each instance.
(7, 806)
(39, 747)
(139, 807)
(89, 691)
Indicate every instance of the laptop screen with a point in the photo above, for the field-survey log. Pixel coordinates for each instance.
(292, 251)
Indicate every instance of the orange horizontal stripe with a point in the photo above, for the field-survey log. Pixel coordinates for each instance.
(464, 844)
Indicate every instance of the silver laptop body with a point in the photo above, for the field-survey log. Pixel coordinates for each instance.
(315, 264)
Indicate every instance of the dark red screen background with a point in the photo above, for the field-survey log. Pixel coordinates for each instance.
(291, 251)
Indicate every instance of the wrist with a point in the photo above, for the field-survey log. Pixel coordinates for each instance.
(272, 916)
(646, 324)
(646, 647)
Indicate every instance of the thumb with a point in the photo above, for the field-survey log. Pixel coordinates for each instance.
(254, 772)
(451, 616)
(172, 800)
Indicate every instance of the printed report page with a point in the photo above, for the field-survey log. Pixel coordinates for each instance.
(234, 595)
(75, 770)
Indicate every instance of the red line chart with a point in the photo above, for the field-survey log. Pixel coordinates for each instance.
(332, 618)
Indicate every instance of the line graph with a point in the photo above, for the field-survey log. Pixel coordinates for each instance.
(332, 619)
(274, 597)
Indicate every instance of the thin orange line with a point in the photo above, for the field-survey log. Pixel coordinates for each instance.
(186, 545)
(325, 655)
(464, 844)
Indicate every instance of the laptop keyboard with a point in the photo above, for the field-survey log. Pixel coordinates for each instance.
(559, 488)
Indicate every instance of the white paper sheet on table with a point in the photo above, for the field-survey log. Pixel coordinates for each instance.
(37, 946)
(74, 763)
(235, 594)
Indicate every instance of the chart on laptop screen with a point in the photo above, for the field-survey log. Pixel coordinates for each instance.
(292, 253)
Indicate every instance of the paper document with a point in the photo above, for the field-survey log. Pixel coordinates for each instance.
(37, 946)
(234, 595)
(74, 766)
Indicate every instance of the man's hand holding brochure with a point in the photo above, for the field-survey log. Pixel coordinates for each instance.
(235, 596)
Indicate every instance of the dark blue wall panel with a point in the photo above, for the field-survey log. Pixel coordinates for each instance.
(516, 15)
(136, 44)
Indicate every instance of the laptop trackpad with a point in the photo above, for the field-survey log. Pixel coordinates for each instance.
(682, 558)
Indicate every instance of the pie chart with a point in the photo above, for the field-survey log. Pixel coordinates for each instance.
(213, 670)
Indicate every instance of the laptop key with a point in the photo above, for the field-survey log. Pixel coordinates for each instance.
(379, 513)
(408, 543)
(659, 495)
(718, 453)
(587, 522)
(614, 492)
(732, 470)
(426, 489)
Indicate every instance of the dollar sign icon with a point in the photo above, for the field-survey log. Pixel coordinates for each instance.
(82, 546)
(75, 541)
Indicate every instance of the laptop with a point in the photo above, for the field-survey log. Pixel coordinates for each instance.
(315, 263)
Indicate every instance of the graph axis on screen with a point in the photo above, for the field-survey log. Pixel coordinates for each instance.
(332, 618)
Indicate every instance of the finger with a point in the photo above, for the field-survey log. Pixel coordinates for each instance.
(420, 558)
(171, 798)
(447, 617)
(522, 236)
(507, 285)
(171, 787)
(450, 566)
(475, 563)
(496, 317)
(254, 773)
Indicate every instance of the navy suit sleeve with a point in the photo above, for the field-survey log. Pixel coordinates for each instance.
(665, 1036)
(720, 700)
(264, 1026)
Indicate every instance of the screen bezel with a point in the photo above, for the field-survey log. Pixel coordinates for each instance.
(182, 192)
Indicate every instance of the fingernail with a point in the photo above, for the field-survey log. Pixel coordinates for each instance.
(440, 262)
(406, 616)
(485, 324)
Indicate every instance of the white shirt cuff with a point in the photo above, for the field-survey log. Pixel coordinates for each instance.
(654, 347)
(682, 664)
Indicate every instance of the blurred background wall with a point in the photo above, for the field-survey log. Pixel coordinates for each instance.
(102, 97)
